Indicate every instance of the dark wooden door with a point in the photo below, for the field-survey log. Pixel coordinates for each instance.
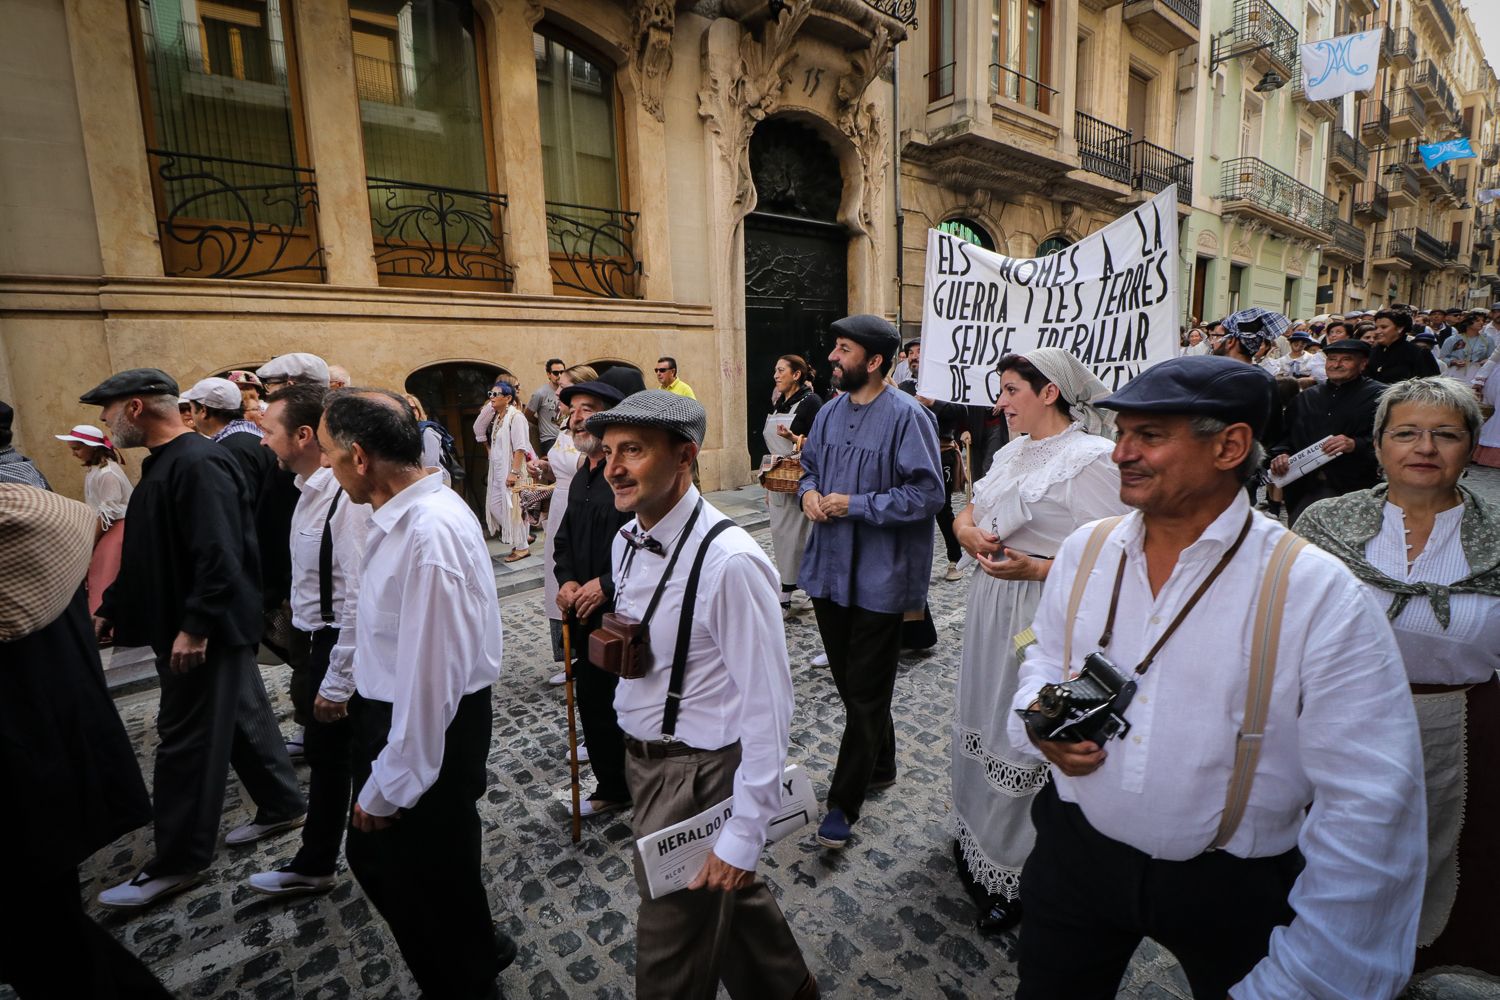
(453, 394)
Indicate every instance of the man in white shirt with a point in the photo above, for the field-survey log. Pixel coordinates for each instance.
(1127, 833)
(427, 649)
(726, 735)
(327, 549)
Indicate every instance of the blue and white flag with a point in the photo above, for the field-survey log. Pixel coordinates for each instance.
(1334, 67)
(1442, 152)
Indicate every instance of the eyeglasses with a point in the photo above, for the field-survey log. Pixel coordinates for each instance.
(495, 392)
(1441, 437)
(662, 371)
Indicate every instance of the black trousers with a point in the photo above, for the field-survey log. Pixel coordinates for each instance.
(945, 515)
(422, 873)
(594, 694)
(213, 717)
(1090, 900)
(51, 950)
(327, 748)
(862, 647)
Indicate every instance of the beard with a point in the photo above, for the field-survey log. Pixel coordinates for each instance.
(125, 434)
(586, 443)
(850, 379)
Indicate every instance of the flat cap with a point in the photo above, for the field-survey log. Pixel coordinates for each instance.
(874, 334)
(215, 393)
(131, 382)
(655, 408)
(297, 367)
(1426, 337)
(1349, 345)
(1200, 385)
(611, 386)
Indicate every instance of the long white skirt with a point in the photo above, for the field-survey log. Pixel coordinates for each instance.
(789, 530)
(993, 783)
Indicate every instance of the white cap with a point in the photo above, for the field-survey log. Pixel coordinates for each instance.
(296, 367)
(216, 394)
(86, 434)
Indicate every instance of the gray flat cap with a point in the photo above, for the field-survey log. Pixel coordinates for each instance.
(656, 408)
(131, 382)
(298, 367)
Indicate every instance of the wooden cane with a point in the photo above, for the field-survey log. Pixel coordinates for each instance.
(572, 730)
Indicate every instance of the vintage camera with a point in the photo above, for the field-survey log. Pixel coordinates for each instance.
(1089, 707)
(619, 646)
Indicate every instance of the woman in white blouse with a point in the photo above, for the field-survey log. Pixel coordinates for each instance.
(510, 449)
(107, 490)
(1428, 550)
(1055, 475)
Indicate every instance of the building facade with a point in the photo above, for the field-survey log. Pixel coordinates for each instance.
(432, 192)
(1028, 124)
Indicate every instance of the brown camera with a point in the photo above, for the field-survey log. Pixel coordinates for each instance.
(619, 646)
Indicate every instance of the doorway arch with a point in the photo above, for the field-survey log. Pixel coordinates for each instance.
(796, 261)
(453, 393)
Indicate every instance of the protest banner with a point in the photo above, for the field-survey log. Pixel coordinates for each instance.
(1110, 299)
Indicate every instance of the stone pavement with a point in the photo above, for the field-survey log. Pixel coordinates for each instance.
(884, 918)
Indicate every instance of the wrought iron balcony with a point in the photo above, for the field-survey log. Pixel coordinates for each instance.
(1427, 81)
(592, 250)
(1409, 114)
(1430, 247)
(1394, 245)
(1153, 169)
(1372, 200)
(1349, 155)
(1173, 22)
(1254, 187)
(430, 233)
(1490, 154)
(1401, 47)
(1403, 182)
(1484, 241)
(1104, 149)
(1375, 118)
(1259, 23)
(1437, 12)
(226, 218)
(1348, 241)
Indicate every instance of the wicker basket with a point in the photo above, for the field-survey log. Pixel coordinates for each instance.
(783, 475)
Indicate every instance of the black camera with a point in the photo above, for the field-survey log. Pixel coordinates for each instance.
(1090, 707)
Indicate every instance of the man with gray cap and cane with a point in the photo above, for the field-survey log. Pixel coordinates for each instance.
(871, 484)
(705, 700)
(187, 588)
(1235, 760)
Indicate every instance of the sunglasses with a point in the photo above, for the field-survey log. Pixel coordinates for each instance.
(661, 371)
(495, 392)
(556, 371)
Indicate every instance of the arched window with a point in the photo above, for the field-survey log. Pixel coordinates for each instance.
(1052, 244)
(453, 394)
(969, 231)
(424, 116)
(233, 196)
(590, 235)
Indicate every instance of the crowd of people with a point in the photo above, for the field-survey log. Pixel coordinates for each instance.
(1174, 717)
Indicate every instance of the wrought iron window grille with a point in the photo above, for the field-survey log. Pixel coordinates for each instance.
(445, 233)
(593, 249)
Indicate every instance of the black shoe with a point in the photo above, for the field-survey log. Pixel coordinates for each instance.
(876, 784)
(999, 916)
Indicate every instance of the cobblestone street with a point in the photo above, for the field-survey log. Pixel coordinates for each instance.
(884, 918)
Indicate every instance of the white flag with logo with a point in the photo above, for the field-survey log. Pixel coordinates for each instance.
(1334, 67)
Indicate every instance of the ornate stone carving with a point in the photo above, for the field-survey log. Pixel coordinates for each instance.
(651, 58)
(1208, 242)
(862, 122)
(534, 12)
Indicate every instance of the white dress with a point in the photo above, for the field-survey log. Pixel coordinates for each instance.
(1035, 495)
(106, 489)
(502, 511)
(563, 457)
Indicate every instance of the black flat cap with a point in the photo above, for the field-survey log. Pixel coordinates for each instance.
(131, 382)
(1200, 385)
(655, 408)
(1349, 345)
(875, 335)
(612, 386)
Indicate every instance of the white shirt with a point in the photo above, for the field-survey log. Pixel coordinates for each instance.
(432, 453)
(1341, 734)
(351, 522)
(1468, 650)
(738, 683)
(428, 632)
(107, 490)
(1310, 365)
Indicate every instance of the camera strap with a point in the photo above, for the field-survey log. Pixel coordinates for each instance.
(685, 633)
(687, 529)
(1114, 601)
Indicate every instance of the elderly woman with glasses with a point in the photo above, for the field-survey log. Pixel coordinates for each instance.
(1428, 550)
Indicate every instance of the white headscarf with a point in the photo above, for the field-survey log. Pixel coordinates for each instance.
(1078, 386)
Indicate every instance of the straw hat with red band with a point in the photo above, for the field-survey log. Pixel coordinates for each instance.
(86, 434)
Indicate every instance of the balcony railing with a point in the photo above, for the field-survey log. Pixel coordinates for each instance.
(1394, 244)
(1353, 152)
(1017, 86)
(434, 233)
(1153, 169)
(1444, 17)
(1375, 117)
(1348, 239)
(1408, 103)
(1430, 246)
(226, 218)
(1371, 199)
(1490, 154)
(1256, 182)
(1104, 149)
(1401, 44)
(1188, 10)
(1403, 179)
(940, 82)
(592, 250)
(1258, 22)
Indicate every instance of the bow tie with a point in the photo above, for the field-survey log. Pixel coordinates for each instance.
(641, 540)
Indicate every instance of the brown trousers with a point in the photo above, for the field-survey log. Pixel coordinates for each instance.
(689, 941)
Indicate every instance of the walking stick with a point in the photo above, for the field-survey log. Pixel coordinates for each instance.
(572, 730)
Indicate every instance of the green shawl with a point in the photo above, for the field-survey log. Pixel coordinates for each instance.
(1342, 526)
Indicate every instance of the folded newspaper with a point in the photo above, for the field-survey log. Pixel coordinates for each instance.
(673, 857)
(1305, 461)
